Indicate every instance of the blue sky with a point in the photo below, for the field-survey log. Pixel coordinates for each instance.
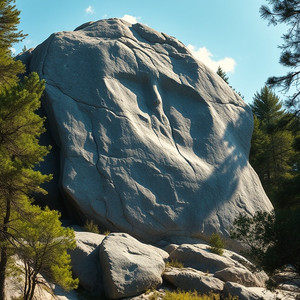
(229, 33)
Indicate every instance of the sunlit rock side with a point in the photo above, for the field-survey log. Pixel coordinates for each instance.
(151, 141)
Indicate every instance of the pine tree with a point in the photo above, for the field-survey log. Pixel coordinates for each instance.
(272, 145)
(287, 12)
(258, 152)
(20, 128)
(43, 248)
(9, 19)
(35, 235)
(222, 74)
(267, 107)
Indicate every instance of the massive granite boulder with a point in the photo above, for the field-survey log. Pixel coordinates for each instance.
(151, 141)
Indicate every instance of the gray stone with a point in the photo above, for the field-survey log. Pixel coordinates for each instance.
(189, 279)
(170, 248)
(151, 141)
(250, 293)
(129, 267)
(198, 256)
(239, 275)
(85, 261)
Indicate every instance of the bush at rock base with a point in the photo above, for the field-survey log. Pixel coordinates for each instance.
(174, 263)
(90, 226)
(216, 244)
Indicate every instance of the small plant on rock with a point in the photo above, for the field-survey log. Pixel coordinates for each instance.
(217, 244)
(90, 226)
(175, 264)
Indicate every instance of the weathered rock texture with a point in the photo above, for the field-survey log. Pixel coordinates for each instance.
(199, 256)
(129, 267)
(189, 279)
(85, 261)
(151, 141)
(239, 275)
(248, 293)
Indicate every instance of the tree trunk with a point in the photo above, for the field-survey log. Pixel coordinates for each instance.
(32, 289)
(4, 256)
(3, 264)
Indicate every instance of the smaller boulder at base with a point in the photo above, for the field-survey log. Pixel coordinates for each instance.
(239, 275)
(129, 267)
(250, 293)
(189, 279)
(199, 257)
(85, 261)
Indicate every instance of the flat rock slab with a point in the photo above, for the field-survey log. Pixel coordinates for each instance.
(129, 267)
(189, 279)
(198, 256)
(254, 293)
(239, 275)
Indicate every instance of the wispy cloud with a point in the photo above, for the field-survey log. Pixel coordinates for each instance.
(90, 10)
(131, 19)
(204, 55)
(13, 50)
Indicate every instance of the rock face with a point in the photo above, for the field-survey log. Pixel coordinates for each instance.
(189, 279)
(238, 275)
(151, 141)
(244, 293)
(199, 257)
(129, 267)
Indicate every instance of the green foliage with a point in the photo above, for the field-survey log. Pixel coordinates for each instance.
(20, 128)
(287, 12)
(259, 145)
(217, 244)
(175, 263)
(272, 153)
(286, 246)
(181, 295)
(287, 194)
(272, 238)
(42, 246)
(222, 74)
(9, 19)
(267, 107)
(90, 226)
(256, 232)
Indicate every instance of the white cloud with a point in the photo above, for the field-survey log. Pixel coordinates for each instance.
(13, 50)
(130, 19)
(90, 10)
(203, 54)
